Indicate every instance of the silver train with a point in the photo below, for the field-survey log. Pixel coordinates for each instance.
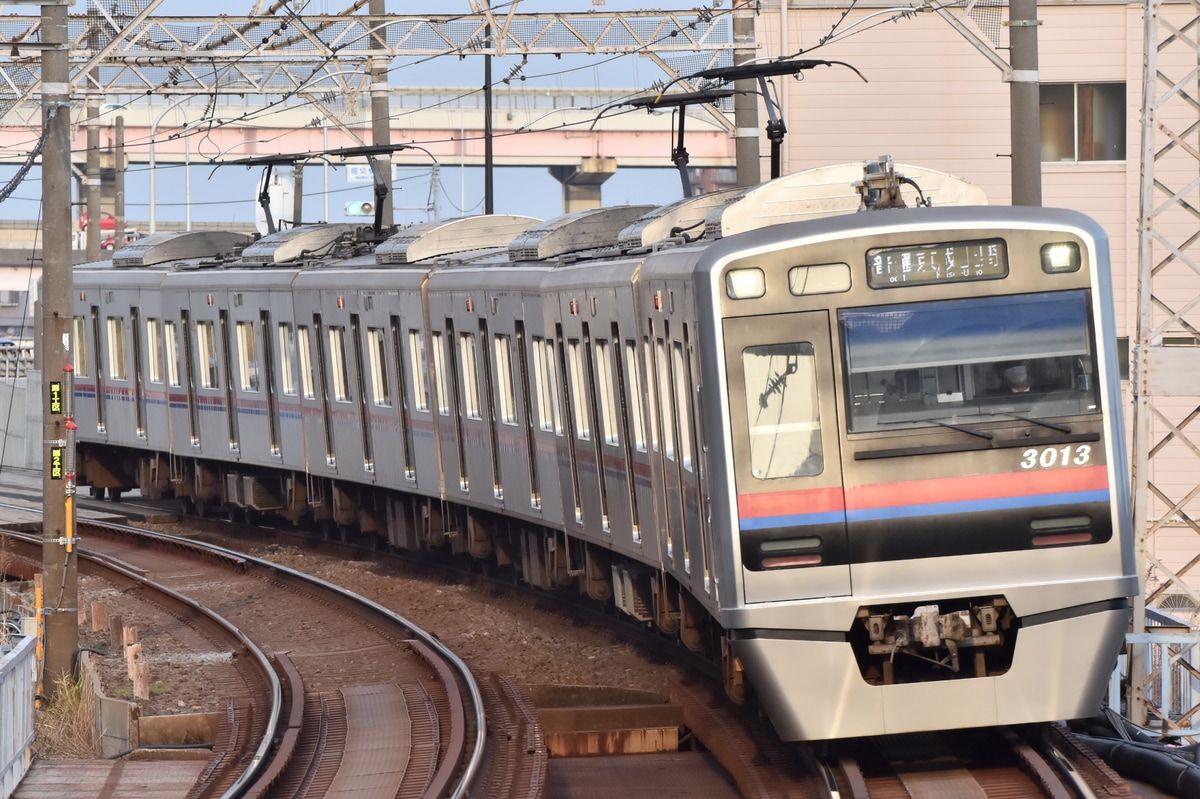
(870, 459)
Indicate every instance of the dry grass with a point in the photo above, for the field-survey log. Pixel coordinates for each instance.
(63, 729)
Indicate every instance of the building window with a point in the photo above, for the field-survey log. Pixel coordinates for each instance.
(1083, 121)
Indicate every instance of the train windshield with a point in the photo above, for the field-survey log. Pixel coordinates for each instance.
(974, 359)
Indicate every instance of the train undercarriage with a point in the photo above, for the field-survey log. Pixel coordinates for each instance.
(542, 557)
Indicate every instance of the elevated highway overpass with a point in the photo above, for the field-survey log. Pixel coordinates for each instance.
(530, 128)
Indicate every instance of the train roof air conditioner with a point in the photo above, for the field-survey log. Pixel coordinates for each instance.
(293, 243)
(446, 236)
(594, 229)
(161, 248)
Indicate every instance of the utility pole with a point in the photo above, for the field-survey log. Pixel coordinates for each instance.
(119, 183)
(489, 200)
(91, 178)
(745, 100)
(381, 118)
(60, 614)
(1024, 97)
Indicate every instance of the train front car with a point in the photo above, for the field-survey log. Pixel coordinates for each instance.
(926, 481)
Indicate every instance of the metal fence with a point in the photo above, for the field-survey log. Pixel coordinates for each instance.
(1170, 685)
(15, 361)
(18, 681)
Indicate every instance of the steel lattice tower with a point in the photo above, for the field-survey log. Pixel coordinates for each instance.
(1166, 349)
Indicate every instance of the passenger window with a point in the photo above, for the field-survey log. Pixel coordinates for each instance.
(634, 381)
(83, 366)
(783, 417)
(664, 398)
(439, 370)
(545, 374)
(381, 388)
(420, 372)
(470, 374)
(117, 368)
(247, 357)
(579, 391)
(174, 357)
(651, 405)
(304, 350)
(155, 349)
(206, 341)
(682, 394)
(287, 357)
(339, 371)
(607, 391)
(505, 388)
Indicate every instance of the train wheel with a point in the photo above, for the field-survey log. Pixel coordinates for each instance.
(114, 494)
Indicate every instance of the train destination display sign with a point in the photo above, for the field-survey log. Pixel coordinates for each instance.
(951, 262)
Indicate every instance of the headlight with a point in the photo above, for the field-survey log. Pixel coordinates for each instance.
(1060, 256)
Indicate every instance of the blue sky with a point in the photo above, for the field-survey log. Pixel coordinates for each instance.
(229, 196)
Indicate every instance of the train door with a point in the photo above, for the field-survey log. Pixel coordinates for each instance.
(535, 491)
(139, 377)
(101, 426)
(185, 329)
(571, 428)
(231, 408)
(489, 407)
(598, 386)
(668, 452)
(791, 508)
(449, 375)
(402, 407)
(364, 410)
(322, 384)
(692, 466)
(634, 425)
(268, 372)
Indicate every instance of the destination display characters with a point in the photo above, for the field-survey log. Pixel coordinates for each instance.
(951, 262)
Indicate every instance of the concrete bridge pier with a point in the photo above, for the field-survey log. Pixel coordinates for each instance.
(581, 183)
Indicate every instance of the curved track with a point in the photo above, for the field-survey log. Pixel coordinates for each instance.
(361, 683)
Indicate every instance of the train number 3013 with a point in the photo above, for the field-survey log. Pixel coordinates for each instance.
(1051, 457)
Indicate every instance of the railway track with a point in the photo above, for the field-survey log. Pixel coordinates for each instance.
(1038, 761)
(312, 737)
(1043, 760)
(358, 683)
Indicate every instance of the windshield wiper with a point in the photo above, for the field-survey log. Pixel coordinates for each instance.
(1062, 428)
(960, 428)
